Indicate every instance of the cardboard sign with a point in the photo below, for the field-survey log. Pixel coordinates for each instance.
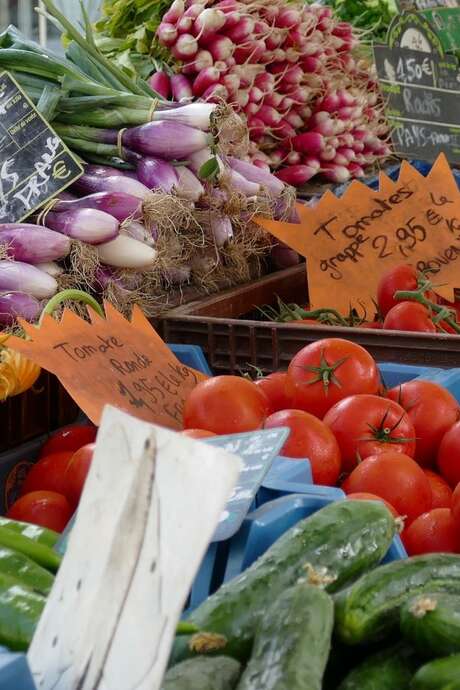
(112, 361)
(256, 450)
(150, 505)
(349, 242)
(35, 164)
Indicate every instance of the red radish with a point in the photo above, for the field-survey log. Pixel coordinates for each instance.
(181, 88)
(232, 19)
(311, 64)
(274, 39)
(228, 5)
(184, 25)
(269, 115)
(255, 95)
(293, 158)
(284, 130)
(309, 142)
(194, 10)
(208, 22)
(288, 18)
(231, 83)
(175, 12)
(241, 31)
(256, 127)
(328, 154)
(251, 109)
(336, 173)
(167, 34)
(274, 99)
(294, 120)
(202, 60)
(215, 93)
(242, 98)
(220, 47)
(160, 82)
(185, 47)
(206, 78)
(296, 175)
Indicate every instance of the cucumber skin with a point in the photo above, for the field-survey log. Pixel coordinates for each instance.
(390, 669)
(437, 633)
(20, 611)
(203, 673)
(440, 674)
(347, 537)
(292, 643)
(368, 610)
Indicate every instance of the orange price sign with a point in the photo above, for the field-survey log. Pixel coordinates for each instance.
(349, 242)
(112, 361)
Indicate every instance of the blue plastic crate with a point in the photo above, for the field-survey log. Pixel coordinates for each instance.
(14, 671)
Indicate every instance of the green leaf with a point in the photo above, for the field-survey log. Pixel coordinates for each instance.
(209, 169)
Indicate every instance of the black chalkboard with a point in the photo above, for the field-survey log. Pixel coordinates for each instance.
(422, 91)
(35, 164)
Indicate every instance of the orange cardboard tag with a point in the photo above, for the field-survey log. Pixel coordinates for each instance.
(112, 361)
(349, 242)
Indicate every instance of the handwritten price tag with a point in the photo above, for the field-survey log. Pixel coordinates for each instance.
(349, 242)
(112, 361)
(35, 164)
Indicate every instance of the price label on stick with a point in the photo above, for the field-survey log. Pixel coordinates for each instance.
(349, 242)
(112, 360)
(35, 164)
(150, 505)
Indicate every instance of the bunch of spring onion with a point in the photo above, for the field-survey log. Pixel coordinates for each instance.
(312, 106)
(175, 208)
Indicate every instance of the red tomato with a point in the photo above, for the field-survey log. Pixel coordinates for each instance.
(45, 508)
(327, 371)
(363, 496)
(432, 410)
(47, 474)
(397, 278)
(309, 438)
(367, 425)
(306, 322)
(76, 473)
(395, 477)
(274, 388)
(448, 459)
(456, 504)
(409, 316)
(433, 532)
(225, 405)
(197, 433)
(440, 489)
(374, 325)
(69, 438)
(401, 277)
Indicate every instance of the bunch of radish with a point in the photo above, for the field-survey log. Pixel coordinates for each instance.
(311, 105)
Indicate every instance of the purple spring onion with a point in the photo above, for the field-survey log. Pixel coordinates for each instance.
(193, 115)
(52, 268)
(155, 173)
(283, 256)
(241, 184)
(89, 184)
(14, 304)
(221, 229)
(165, 139)
(16, 276)
(199, 158)
(84, 224)
(188, 187)
(108, 171)
(117, 204)
(33, 244)
(66, 196)
(126, 252)
(254, 174)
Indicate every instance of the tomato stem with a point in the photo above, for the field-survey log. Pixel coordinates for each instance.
(443, 313)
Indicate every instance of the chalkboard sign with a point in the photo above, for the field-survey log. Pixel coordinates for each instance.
(446, 21)
(35, 164)
(257, 450)
(421, 86)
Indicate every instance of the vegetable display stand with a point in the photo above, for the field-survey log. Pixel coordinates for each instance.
(40, 410)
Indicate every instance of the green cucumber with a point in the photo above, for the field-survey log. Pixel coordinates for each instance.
(292, 642)
(440, 674)
(203, 673)
(41, 535)
(344, 539)
(25, 571)
(432, 623)
(38, 552)
(20, 611)
(390, 669)
(368, 609)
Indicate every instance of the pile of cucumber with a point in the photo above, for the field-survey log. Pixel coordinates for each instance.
(315, 613)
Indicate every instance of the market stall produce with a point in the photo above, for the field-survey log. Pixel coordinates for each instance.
(311, 100)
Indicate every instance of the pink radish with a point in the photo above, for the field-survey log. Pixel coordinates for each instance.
(296, 175)
(287, 18)
(336, 173)
(309, 142)
(256, 127)
(206, 78)
(167, 34)
(215, 93)
(220, 47)
(356, 170)
(209, 22)
(184, 25)
(241, 31)
(269, 115)
(328, 153)
(185, 47)
(293, 158)
(194, 10)
(181, 88)
(232, 19)
(294, 120)
(231, 83)
(175, 12)
(251, 109)
(160, 82)
(284, 130)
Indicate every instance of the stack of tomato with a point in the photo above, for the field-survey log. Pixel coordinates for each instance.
(52, 488)
(400, 445)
